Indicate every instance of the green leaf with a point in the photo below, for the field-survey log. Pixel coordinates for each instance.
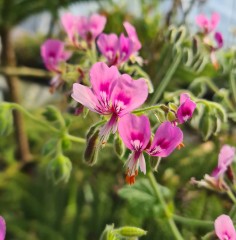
(141, 196)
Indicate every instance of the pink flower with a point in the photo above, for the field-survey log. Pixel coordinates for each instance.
(2, 228)
(224, 228)
(53, 52)
(132, 34)
(208, 25)
(166, 139)
(225, 158)
(88, 28)
(116, 50)
(111, 94)
(136, 132)
(119, 50)
(186, 108)
(108, 45)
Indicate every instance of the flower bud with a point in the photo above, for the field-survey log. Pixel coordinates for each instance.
(51, 114)
(119, 147)
(91, 150)
(131, 231)
(59, 169)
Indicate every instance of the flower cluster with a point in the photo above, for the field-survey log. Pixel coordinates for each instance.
(117, 95)
(208, 27)
(114, 95)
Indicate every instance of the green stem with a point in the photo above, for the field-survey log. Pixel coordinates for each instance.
(193, 222)
(142, 110)
(165, 81)
(75, 139)
(231, 196)
(26, 113)
(233, 85)
(168, 214)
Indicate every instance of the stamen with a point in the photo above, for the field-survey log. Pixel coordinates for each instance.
(181, 145)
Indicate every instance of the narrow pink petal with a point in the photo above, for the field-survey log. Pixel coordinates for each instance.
(142, 163)
(85, 96)
(96, 24)
(134, 129)
(128, 94)
(184, 97)
(215, 18)
(68, 22)
(2, 228)
(131, 31)
(224, 228)
(226, 155)
(125, 48)
(101, 78)
(82, 26)
(219, 171)
(219, 40)
(202, 21)
(166, 139)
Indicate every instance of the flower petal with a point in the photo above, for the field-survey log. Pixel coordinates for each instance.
(166, 139)
(96, 24)
(131, 31)
(85, 96)
(101, 78)
(202, 21)
(224, 228)
(69, 22)
(226, 156)
(142, 163)
(215, 18)
(219, 40)
(128, 94)
(125, 48)
(2, 228)
(134, 128)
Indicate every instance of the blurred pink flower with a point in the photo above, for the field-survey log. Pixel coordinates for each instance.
(224, 228)
(116, 50)
(88, 28)
(108, 45)
(53, 52)
(208, 25)
(111, 94)
(2, 228)
(186, 108)
(225, 158)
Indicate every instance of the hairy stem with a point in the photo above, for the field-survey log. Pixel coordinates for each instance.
(165, 81)
(168, 213)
